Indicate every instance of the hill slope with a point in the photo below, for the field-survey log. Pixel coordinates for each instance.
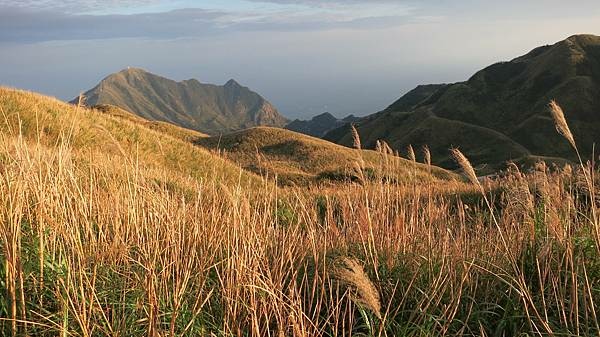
(300, 159)
(501, 112)
(206, 108)
(116, 134)
(172, 130)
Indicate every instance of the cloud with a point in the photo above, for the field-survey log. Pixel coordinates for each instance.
(327, 3)
(27, 25)
(19, 25)
(74, 6)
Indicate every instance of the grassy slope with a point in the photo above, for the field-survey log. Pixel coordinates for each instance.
(291, 156)
(295, 157)
(93, 132)
(172, 130)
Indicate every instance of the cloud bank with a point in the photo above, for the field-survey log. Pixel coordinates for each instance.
(38, 21)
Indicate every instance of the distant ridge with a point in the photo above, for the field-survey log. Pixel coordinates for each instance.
(319, 125)
(207, 108)
(501, 112)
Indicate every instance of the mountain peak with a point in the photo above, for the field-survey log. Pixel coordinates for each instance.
(203, 107)
(584, 39)
(133, 70)
(317, 126)
(325, 117)
(232, 83)
(128, 74)
(351, 118)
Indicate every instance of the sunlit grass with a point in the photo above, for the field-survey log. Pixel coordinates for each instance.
(100, 236)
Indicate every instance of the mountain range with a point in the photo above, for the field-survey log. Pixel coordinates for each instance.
(207, 108)
(319, 125)
(499, 114)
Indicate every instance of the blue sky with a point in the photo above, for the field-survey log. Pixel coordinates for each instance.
(305, 56)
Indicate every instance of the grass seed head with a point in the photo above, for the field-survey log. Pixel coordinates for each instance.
(411, 153)
(351, 273)
(427, 155)
(561, 123)
(355, 138)
(465, 165)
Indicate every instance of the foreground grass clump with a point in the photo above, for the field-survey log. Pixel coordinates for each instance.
(102, 249)
(98, 244)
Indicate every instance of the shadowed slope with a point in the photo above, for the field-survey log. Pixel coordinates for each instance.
(501, 112)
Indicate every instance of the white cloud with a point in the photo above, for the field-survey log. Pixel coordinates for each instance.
(29, 24)
(74, 6)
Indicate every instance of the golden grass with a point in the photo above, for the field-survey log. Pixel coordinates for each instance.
(355, 138)
(297, 159)
(162, 127)
(465, 165)
(49, 122)
(363, 291)
(411, 154)
(561, 123)
(93, 244)
(426, 155)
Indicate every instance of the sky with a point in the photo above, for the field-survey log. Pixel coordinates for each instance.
(305, 56)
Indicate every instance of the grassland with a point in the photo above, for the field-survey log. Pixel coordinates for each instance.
(112, 132)
(92, 245)
(173, 130)
(298, 159)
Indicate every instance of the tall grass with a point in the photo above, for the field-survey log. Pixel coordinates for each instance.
(97, 244)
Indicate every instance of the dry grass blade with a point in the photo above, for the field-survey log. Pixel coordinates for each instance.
(563, 128)
(351, 273)
(426, 155)
(561, 123)
(411, 154)
(81, 100)
(355, 138)
(465, 165)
